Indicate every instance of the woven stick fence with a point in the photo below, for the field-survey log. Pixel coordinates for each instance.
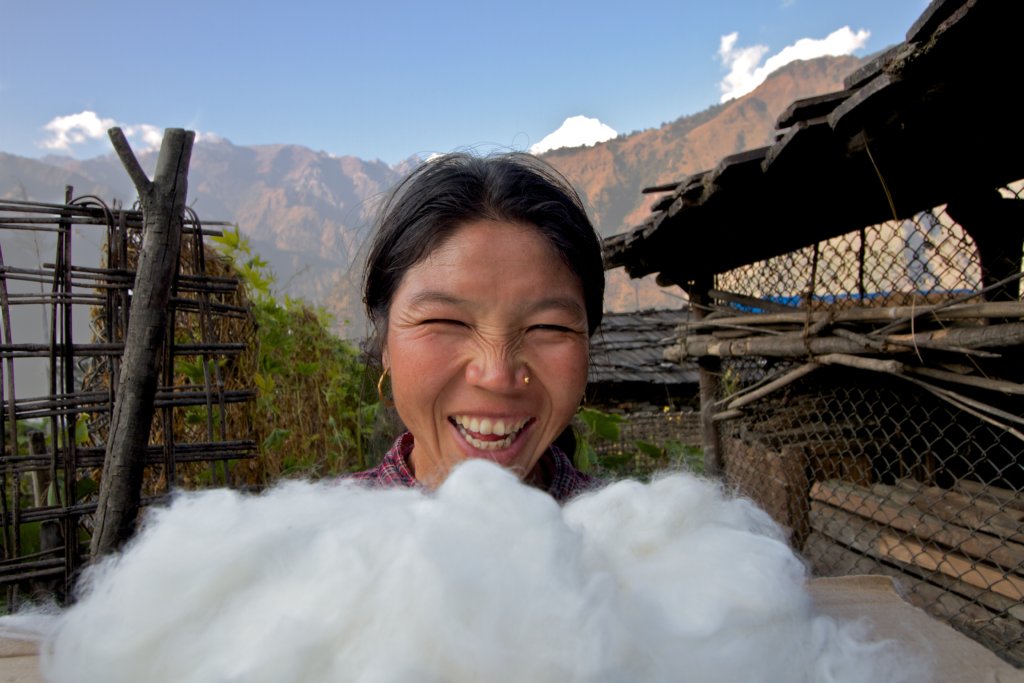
(52, 440)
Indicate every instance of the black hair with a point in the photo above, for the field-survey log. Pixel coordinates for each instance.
(445, 193)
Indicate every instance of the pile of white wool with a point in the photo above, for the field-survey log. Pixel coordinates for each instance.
(485, 579)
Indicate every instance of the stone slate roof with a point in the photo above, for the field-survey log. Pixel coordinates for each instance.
(628, 347)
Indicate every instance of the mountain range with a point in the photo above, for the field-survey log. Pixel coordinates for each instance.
(308, 213)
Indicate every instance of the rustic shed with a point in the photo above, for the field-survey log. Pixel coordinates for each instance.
(858, 320)
(628, 364)
(655, 398)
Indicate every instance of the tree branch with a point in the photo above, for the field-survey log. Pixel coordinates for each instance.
(142, 183)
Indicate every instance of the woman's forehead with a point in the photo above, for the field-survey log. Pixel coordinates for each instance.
(491, 260)
(450, 297)
(500, 242)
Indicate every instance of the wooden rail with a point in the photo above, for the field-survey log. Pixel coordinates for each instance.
(964, 545)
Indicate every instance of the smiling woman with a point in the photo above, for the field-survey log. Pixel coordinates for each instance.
(484, 284)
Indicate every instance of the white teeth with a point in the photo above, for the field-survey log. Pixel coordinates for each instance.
(486, 426)
(489, 445)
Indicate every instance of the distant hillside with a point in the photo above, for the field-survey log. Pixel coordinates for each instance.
(611, 175)
(306, 212)
(309, 213)
(43, 180)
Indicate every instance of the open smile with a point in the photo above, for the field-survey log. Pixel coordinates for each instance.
(489, 434)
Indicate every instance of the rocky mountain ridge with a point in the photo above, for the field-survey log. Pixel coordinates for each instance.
(309, 213)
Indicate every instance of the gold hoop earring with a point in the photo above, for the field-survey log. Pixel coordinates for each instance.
(384, 400)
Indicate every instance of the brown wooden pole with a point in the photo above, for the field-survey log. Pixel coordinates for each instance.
(710, 368)
(968, 340)
(163, 208)
(997, 225)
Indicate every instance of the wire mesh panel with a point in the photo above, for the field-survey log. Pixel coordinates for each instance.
(648, 442)
(871, 398)
(66, 273)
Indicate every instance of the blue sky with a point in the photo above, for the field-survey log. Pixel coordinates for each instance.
(390, 78)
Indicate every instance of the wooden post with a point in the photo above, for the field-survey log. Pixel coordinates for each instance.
(710, 371)
(163, 208)
(996, 224)
(50, 535)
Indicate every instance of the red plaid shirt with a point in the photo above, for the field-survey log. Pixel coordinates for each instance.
(564, 482)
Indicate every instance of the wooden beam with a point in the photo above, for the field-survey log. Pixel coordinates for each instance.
(870, 314)
(869, 504)
(880, 542)
(952, 339)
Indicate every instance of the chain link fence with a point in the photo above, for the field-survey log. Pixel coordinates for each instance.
(871, 400)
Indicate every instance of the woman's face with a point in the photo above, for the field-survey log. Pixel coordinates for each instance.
(491, 306)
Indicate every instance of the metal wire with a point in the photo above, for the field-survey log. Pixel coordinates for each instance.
(883, 468)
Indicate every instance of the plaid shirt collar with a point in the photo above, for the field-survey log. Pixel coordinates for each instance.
(393, 471)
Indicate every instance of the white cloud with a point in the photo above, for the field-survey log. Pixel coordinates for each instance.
(150, 136)
(88, 128)
(75, 129)
(744, 63)
(575, 131)
(208, 138)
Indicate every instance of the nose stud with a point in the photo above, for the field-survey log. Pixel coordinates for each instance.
(526, 379)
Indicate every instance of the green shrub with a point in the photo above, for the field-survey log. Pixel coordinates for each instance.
(316, 406)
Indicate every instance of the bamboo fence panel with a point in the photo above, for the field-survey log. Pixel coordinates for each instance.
(52, 434)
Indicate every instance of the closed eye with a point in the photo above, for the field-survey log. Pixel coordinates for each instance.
(443, 321)
(552, 328)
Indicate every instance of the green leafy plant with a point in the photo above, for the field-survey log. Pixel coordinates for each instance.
(673, 455)
(593, 425)
(601, 449)
(315, 408)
